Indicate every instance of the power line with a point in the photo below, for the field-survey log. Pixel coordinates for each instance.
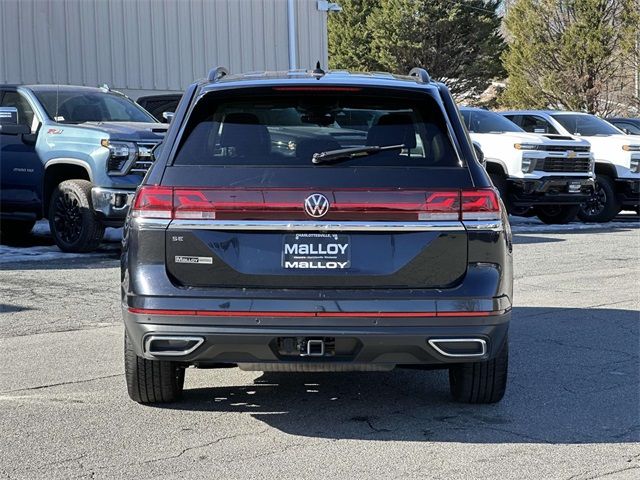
(465, 5)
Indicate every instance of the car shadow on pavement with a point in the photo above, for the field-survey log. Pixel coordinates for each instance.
(100, 259)
(28, 241)
(9, 308)
(574, 378)
(39, 252)
(523, 239)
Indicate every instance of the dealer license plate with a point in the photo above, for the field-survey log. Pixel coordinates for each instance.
(316, 251)
(575, 187)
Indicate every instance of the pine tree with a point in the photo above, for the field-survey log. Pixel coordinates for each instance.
(456, 41)
(349, 38)
(570, 54)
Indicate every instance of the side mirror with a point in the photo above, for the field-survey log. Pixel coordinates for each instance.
(168, 116)
(8, 116)
(479, 153)
(14, 129)
(155, 151)
(625, 130)
(31, 138)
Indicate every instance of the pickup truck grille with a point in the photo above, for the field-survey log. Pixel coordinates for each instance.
(566, 148)
(144, 160)
(572, 165)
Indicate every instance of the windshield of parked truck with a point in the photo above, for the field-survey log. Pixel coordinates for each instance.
(587, 125)
(91, 106)
(483, 121)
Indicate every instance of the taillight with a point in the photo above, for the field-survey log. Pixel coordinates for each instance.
(153, 202)
(192, 204)
(344, 205)
(481, 204)
(441, 206)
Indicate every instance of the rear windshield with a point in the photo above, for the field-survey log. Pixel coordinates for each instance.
(286, 130)
(483, 121)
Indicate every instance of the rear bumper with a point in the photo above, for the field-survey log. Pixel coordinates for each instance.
(628, 191)
(371, 340)
(551, 190)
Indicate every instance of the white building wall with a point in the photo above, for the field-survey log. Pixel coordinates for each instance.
(151, 45)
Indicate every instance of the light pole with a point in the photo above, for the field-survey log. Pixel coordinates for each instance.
(293, 40)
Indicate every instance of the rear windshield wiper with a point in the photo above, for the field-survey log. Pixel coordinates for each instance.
(347, 153)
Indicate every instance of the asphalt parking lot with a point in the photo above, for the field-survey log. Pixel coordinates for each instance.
(572, 409)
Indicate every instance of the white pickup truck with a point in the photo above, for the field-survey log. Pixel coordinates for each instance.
(617, 158)
(545, 175)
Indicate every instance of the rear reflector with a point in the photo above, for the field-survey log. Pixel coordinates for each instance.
(224, 313)
(288, 204)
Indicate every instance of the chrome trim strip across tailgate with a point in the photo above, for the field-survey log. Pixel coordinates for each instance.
(492, 225)
(303, 225)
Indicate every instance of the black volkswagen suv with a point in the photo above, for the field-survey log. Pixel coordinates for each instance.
(317, 221)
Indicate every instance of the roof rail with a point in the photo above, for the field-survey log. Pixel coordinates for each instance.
(421, 74)
(217, 73)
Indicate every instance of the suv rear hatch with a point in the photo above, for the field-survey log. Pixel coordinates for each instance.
(250, 209)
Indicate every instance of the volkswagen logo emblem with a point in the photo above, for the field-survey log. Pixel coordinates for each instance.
(316, 205)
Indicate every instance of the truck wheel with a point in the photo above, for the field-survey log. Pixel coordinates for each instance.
(151, 381)
(557, 214)
(480, 382)
(603, 205)
(501, 184)
(15, 229)
(73, 225)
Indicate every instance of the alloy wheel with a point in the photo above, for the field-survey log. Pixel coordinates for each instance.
(67, 217)
(596, 202)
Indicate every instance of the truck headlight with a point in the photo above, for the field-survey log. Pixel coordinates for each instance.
(119, 155)
(528, 146)
(631, 148)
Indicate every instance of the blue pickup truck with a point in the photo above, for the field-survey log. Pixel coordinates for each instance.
(73, 155)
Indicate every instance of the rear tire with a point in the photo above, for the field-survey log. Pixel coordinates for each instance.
(151, 381)
(481, 382)
(73, 225)
(557, 214)
(13, 230)
(603, 205)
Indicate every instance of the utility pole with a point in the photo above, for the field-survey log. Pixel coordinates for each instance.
(293, 36)
(637, 73)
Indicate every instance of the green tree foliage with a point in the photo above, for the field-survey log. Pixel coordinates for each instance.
(349, 37)
(571, 54)
(457, 41)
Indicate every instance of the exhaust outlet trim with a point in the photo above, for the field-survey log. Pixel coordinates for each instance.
(148, 341)
(438, 344)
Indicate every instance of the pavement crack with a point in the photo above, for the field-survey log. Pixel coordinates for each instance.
(49, 385)
(603, 475)
(626, 432)
(367, 420)
(597, 348)
(203, 445)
